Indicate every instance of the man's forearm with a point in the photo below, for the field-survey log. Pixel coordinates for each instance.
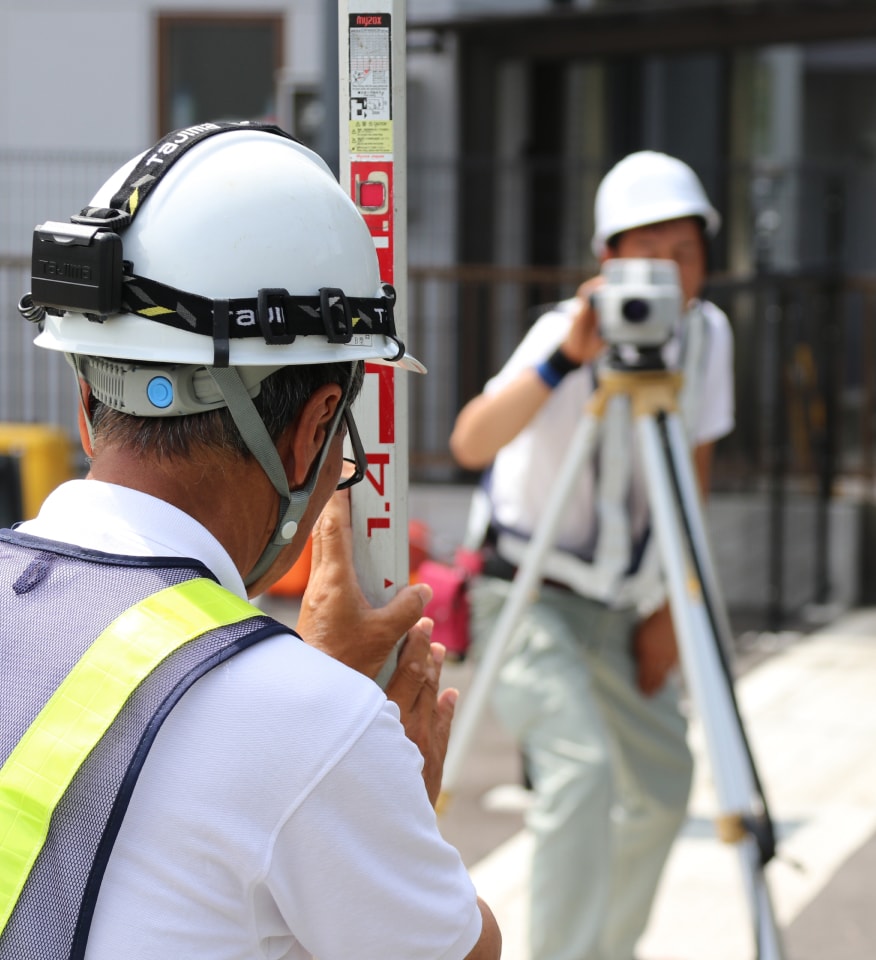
(491, 420)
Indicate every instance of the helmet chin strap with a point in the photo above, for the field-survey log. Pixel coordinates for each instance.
(255, 435)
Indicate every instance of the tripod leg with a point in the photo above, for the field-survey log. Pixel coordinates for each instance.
(522, 591)
(688, 491)
(674, 515)
(683, 478)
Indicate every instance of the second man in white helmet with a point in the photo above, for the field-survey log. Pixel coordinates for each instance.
(589, 684)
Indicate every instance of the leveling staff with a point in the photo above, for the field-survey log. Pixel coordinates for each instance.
(181, 776)
(588, 686)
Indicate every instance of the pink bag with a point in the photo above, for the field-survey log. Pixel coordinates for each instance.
(449, 606)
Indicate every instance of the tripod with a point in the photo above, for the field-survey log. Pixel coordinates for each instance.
(698, 613)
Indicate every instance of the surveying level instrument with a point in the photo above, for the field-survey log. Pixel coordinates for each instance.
(699, 616)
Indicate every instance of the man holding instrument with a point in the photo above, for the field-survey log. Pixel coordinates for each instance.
(588, 682)
(182, 776)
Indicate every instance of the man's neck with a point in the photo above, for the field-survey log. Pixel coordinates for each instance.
(228, 497)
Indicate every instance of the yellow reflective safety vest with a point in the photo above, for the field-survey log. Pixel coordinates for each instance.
(95, 650)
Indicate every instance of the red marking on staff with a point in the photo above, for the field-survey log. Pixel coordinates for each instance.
(376, 523)
(380, 220)
(378, 479)
(385, 400)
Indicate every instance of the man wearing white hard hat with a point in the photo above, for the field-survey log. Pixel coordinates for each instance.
(589, 685)
(180, 775)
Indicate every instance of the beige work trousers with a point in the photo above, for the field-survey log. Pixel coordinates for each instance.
(611, 769)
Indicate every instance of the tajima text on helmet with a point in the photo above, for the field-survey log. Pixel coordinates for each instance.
(180, 137)
(247, 318)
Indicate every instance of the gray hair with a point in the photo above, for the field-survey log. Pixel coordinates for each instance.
(279, 401)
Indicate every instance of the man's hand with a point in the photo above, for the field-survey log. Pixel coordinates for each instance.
(583, 343)
(654, 650)
(425, 713)
(335, 617)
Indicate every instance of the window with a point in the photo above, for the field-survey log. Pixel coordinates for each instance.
(217, 68)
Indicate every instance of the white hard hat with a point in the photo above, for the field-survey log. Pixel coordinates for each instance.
(221, 255)
(237, 214)
(648, 187)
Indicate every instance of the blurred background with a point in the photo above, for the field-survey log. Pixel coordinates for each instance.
(515, 109)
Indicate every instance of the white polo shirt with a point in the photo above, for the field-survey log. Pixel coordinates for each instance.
(525, 469)
(281, 812)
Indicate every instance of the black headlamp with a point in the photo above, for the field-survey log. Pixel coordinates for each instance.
(77, 267)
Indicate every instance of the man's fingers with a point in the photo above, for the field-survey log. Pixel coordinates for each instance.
(333, 531)
(589, 287)
(404, 609)
(444, 710)
(433, 667)
(336, 617)
(383, 627)
(441, 718)
(425, 713)
(409, 676)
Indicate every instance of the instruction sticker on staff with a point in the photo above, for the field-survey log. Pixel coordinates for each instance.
(370, 84)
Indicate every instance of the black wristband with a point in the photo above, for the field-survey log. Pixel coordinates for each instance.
(555, 368)
(561, 363)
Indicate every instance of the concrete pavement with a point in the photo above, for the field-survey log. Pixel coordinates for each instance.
(809, 707)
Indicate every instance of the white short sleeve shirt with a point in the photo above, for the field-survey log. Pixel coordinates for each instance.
(525, 469)
(281, 812)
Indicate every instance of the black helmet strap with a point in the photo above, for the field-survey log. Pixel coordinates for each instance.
(155, 163)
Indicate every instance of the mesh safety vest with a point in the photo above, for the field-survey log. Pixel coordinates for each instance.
(79, 714)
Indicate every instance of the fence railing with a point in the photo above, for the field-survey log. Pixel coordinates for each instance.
(805, 376)
(36, 386)
(805, 364)
(799, 465)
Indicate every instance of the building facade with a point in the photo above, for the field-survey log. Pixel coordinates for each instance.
(515, 109)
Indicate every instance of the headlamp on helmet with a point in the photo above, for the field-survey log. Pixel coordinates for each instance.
(81, 274)
(250, 256)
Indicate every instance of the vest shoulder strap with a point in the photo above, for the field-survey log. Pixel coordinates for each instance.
(43, 764)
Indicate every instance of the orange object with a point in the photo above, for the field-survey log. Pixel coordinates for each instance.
(419, 545)
(294, 582)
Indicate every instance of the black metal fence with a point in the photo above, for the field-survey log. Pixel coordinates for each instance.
(805, 364)
(805, 347)
(805, 370)
(805, 377)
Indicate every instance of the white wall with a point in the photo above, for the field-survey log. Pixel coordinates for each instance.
(62, 90)
(82, 75)
(79, 77)
(79, 89)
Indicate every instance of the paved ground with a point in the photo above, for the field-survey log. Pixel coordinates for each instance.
(809, 705)
(810, 710)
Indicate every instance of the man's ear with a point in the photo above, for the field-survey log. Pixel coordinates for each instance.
(84, 419)
(301, 442)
